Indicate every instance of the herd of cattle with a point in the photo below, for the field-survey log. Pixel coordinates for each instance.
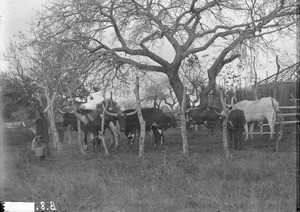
(240, 115)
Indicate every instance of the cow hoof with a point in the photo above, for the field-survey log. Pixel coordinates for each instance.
(83, 152)
(84, 147)
(271, 139)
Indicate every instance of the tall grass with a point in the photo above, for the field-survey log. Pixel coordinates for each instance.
(252, 180)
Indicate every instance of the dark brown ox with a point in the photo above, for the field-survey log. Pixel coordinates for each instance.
(210, 116)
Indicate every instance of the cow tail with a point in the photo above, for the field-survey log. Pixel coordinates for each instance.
(280, 120)
(275, 107)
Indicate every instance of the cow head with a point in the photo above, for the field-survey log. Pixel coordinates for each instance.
(188, 114)
(158, 134)
(230, 106)
(122, 117)
(68, 118)
(169, 121)
(131, 138)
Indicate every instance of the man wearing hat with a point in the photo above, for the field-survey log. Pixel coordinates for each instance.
(42, 132)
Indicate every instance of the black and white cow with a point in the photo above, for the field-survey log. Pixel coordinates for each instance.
(91, 121)
(130, 125)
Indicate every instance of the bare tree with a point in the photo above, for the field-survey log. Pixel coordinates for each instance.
(131, 32)
(155, 93)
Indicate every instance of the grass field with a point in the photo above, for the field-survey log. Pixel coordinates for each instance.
(254, 179)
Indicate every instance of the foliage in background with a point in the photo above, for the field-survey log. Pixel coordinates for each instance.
(17, 93)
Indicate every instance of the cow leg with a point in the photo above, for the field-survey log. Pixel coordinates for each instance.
(162, 137)
(84, 145)
(131, 137)
(94, 142)
(271, 121)
(98, 143)
(235, 139)
(230, 138)
(251, 130)
(85, 139)
(156, 137)
(69, 137)
(211, 131)
(246, 131)
(239, 137)
(114, 133)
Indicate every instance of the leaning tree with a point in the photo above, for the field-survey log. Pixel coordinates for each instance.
(138, 32)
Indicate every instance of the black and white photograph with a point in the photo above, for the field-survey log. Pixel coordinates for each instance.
(149, 105)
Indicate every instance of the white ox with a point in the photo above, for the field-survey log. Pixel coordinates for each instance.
(258, 111)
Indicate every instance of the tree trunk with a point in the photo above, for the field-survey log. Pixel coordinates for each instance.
(81, 145)
(140, 116)
(54, 132)
(207, 90)
(101, 133)
(51, 118)
(255, 96)
(178, 87)
(183, 124)
(224, 125)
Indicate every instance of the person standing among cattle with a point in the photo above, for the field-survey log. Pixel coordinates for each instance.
(236, 123)
(42, 132)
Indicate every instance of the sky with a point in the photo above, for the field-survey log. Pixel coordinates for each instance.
(15, 17)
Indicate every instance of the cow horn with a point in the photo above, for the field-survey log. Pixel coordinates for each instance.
(59, 110)
(131, 113)
(111, 114)
(232, 100)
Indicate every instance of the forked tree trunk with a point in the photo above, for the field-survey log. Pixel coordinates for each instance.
(207, 90)
(183, 124)
(178, 87)
(140, 116)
